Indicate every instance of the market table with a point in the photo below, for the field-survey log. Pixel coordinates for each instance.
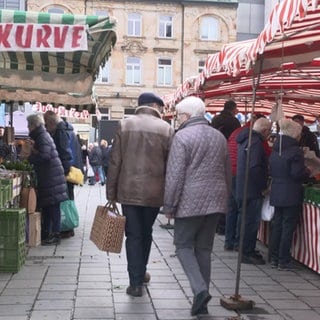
(306, 239)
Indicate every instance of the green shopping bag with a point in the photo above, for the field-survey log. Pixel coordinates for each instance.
(69, 215)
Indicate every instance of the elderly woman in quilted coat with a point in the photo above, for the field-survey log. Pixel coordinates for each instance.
(51, 182)
(197, 188)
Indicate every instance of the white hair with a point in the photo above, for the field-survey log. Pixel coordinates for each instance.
(191, 105)
(261, 125)
(35, 120)
(290, 128)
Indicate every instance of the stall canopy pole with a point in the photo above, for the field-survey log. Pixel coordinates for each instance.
(236, 302)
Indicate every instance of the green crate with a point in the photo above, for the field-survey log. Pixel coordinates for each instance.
(11, 260)
(13, 224)
(4, 195)
(7, 184)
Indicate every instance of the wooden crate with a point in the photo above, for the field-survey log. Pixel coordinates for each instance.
(34, 229)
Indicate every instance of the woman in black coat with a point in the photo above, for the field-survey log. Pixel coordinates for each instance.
(288, 172)
(51, 182)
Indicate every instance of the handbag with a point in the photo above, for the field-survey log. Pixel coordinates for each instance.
(267, 211)
(28, 199)
(69, 215)
(75, 176)
(108, 228)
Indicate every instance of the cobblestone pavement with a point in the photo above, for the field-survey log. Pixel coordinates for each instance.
(77, 281)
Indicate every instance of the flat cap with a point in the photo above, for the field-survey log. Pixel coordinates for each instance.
(149, 97)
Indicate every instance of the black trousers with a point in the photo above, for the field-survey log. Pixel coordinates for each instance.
(138, 233)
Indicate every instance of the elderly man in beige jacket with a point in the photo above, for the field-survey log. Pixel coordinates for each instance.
(136, 177)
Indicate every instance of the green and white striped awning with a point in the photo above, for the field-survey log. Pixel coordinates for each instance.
(52, 58)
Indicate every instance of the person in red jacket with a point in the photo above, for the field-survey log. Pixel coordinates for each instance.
(232, 217)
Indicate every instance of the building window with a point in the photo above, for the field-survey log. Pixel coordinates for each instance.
(128, 112)
(133, 75)
(55, 10)
(104, 73)
(165, 27)
(209, 29)
(12, 4)
(201, 64)
(134, 24)
(164, 72)
(101, 13)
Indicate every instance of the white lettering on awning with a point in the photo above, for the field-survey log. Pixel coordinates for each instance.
(43, 37)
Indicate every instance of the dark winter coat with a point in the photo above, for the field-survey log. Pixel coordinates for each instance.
(68, 146)
(105, 155)
(95, 156)
(226, 123)
(258, 165)
(309, 139)
(198, 178)
(288, 172)
(51, 182)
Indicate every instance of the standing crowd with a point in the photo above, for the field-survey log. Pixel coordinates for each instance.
(205, 176)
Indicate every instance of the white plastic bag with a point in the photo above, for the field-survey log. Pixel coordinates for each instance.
(90, 172)
(267, 210)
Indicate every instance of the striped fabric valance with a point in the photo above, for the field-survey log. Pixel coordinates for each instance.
(66, 76)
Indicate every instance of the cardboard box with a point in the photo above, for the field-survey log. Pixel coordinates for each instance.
(34, 229)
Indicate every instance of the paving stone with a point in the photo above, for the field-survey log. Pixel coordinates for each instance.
(51, 315)
(94, 302)
(135, 317)
(59, 287)
(61, 280)
(164, 314)
(93, 313)
(276, 294)
(171, 304)
(301, 314)
(130, 308)
(94, 292)
(20, 292)
(24, 284)
(15, 310)
(166, 294)
(287, 304)
(15, 300)
(54, 304)
(56, 295)
(14, 317)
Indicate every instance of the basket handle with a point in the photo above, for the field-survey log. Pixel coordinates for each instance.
(112, 206)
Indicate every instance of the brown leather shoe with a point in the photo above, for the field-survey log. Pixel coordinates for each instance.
(147, 277)
(134, 291)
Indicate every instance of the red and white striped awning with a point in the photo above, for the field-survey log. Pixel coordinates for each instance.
(286, 57)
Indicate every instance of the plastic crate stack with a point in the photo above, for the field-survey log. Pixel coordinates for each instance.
(6, 191)
(12, 239)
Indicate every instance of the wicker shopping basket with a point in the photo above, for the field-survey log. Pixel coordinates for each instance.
(108, 228)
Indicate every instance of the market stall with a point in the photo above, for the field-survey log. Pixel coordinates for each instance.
(278, 70)
(49, 59)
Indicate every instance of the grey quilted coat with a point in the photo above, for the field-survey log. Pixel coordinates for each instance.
(198, 175)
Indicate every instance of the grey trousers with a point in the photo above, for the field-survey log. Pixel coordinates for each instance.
(193, 238)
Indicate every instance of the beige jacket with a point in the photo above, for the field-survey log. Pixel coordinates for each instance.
(137, 163)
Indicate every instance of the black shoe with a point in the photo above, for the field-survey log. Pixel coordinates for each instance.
(257, 255)
(134, 291)
(274, 264)
(252, 260)
(67, 234)
(147, 277)
(53, 240)
(204, 310)
(200, 302)
(286, 267)
(228, 248)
